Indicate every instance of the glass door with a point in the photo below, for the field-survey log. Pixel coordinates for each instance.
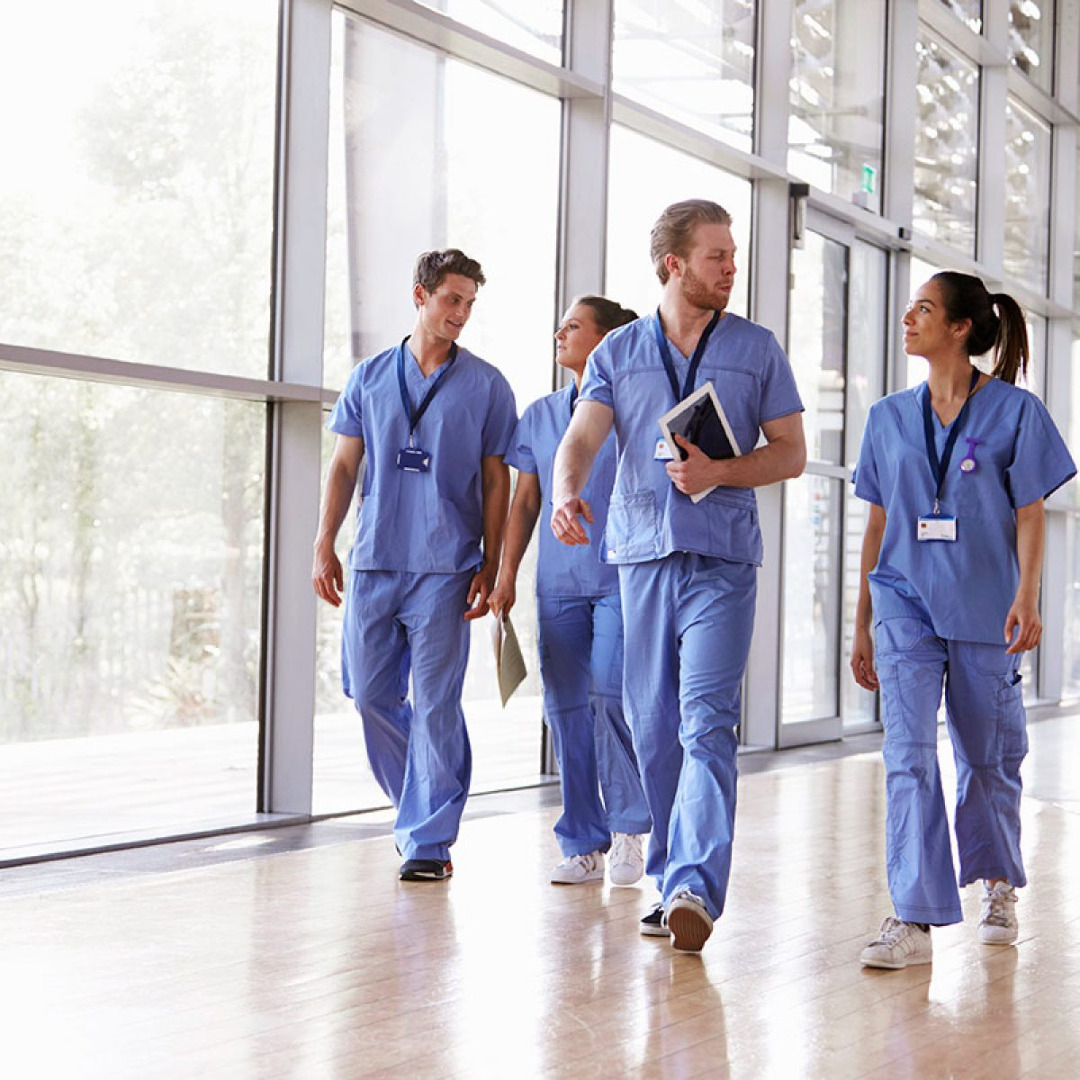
(836, 342)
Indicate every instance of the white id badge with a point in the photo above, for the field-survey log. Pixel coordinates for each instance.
(662, 451)
(936, 527)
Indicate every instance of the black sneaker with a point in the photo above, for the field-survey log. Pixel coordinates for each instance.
(654, 924)
(425, 870)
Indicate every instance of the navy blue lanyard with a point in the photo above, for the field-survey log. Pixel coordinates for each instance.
(940, 467)
(573, 398)
(414, 417)
(664, 346)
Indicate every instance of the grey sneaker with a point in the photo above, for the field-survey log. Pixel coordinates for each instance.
(897, 945)
(625, 861)
(997, 923)
(575, 869)
(689, 922)
(653, 924)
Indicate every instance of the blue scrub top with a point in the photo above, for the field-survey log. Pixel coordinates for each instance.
(649, 518)
(564, 570)
(965, 588)
(424, 522)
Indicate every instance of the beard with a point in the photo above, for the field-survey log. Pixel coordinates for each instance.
(696, 292)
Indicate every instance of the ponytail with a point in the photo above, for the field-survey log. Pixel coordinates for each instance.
(1004, 331)
(1011, 350)
(607, 313)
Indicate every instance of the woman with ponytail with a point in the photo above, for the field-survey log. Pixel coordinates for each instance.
(955, 471)
(579, 617)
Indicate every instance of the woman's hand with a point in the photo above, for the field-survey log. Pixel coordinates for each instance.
(1023, 621)
(862, 660)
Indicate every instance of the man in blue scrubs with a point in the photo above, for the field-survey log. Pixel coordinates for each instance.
(687, 570)
(433, 422)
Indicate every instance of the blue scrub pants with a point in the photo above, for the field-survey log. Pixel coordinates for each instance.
(581, 667)
(688, 621)
(986, 723)
(420, 753)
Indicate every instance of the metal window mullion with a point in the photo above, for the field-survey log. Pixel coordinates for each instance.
(295, 427)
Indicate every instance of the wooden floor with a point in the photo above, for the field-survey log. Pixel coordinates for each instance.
(315, 962)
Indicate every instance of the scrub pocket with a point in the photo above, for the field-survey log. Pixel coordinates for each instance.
(632, 533)
(1002, 672)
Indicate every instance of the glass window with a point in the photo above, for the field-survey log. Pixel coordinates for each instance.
(413, 173)
(1031, 39)
(812, 511)
(968, 10)
(691, 61)
(946, 145)
(867, 343)
(1027, 195)
(533, 26)
(816, 343)
(837, 97)
(130, 581)
(1076, 249)
(407, 175)
(645, 177)
(136, 197)
(1071, 644)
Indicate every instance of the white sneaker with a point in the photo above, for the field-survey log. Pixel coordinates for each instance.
(897, 945)
(578, 868)
(997, 924)
(625, 861)
(690, 924)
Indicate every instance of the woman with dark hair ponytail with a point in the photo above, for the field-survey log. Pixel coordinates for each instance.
(949, 597)
(579, 618)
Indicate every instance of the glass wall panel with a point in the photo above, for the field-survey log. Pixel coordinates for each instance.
(408, 174)
(691, 61)
(1031, 39)
(867, 344)
(1071, 644)
(130, 582)
(968, 10)
(946, 145)
(411, 173)
(813, 506)
(817, 327)
(136, 193)
(645, 177)
(1027, 195)
(837, 97)
(533, 26)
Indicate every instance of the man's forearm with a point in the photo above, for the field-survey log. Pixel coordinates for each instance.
(768, 464)
(496, 499)
(337, 497)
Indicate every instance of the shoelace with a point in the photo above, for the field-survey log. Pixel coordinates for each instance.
(588, 861)
(622, 848)
(995, 913)
(891, 932)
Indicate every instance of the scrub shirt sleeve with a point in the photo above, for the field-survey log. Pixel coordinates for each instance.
(347, 415)
(501, 419)
(520, 454)
(779, 394)
(1041, 462)
(867, 484)
(597, 382)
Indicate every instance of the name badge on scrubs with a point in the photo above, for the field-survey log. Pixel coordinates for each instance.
(936, 527)
(662, 451)
(413, 459)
